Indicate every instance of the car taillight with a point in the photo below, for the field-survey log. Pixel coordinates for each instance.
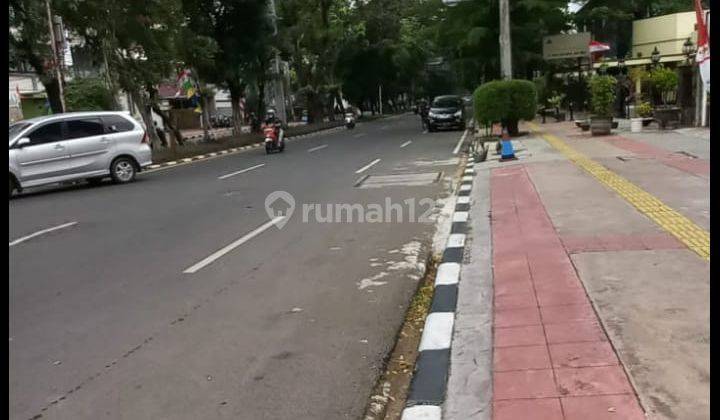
(146, 138)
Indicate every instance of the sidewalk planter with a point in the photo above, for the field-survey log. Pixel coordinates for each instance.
(667, 115)
(636, 125)
(600, 126)
(602, 89)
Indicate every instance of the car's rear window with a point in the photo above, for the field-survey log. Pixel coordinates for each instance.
(446, 102)
(117, 124)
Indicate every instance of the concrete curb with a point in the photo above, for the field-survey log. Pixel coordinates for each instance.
(237, 149)
(429, 383)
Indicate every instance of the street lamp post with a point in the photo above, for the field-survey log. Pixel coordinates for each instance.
(655, 56)
(688, 50)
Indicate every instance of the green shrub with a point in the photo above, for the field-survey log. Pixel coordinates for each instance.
(644, 110)
(505, 101)
(88, 94)
(602, 92)
(665, 81)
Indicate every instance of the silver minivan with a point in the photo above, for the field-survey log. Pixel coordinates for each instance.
(77, 145)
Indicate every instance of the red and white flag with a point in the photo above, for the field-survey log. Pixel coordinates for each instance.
(702, 57)
(597, 46)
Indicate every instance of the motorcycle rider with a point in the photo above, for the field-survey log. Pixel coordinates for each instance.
(271, 119)
(424, 110)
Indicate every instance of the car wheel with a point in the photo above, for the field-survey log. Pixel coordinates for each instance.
(12, 187)
(123, 170)
(432, 129)
(95, 181)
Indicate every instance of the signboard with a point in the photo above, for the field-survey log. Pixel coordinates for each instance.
(557, 47)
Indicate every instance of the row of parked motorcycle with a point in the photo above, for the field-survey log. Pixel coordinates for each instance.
(221, 121)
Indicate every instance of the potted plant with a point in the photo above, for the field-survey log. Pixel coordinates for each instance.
(643, 112)
(665, 82)
(602, 92)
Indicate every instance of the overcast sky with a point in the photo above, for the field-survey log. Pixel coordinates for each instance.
(574, 6)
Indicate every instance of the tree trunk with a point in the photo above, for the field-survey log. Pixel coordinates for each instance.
(146, 114)
(261, 98)
(167, 122)
(512, 127)
(52, 89)
(236, 91)
(204, 104)
(176, 135)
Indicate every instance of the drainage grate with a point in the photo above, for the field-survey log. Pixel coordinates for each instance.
(399, 180)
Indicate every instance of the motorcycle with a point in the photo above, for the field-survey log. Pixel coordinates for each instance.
(349, 121)
(273, 142)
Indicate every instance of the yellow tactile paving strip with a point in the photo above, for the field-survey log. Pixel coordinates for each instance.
(692, 235)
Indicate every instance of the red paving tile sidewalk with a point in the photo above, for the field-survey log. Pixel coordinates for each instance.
(552, 360)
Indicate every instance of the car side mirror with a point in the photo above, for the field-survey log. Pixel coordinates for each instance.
(22, 142)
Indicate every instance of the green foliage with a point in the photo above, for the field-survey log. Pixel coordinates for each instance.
(665, 81)
(644, 110)
(505, 101)
(602, 91)
(556, 100)
(541, 89)
(88, 94)
(637, 74)
(467, 34)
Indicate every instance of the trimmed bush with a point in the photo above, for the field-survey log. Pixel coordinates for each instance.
(602, 91)
(506, 102)
(88, 94)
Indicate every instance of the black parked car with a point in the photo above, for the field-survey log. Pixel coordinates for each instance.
(447, 111)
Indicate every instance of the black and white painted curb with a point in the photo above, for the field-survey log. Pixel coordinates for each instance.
(429, 382)
(239, 149)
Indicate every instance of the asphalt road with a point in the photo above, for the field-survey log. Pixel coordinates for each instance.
(122, 315)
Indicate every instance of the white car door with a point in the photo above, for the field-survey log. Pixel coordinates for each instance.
(45, 157)
(88, 145)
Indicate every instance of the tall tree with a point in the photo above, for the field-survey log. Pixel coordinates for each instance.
(29, 42)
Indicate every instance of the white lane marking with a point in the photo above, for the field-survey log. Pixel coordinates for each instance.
(447, 273)
(368, 166)
(317, 148)
(460, 216)
(211, 258)
(422, 412)
(41, 232)
(437, 334)
(460, 142)
(240, 172)
(463, 199)
(405, 144)
(456, 240)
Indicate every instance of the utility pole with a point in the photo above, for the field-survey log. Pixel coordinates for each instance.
(56, 56)
(505, 48)
(278, 82)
